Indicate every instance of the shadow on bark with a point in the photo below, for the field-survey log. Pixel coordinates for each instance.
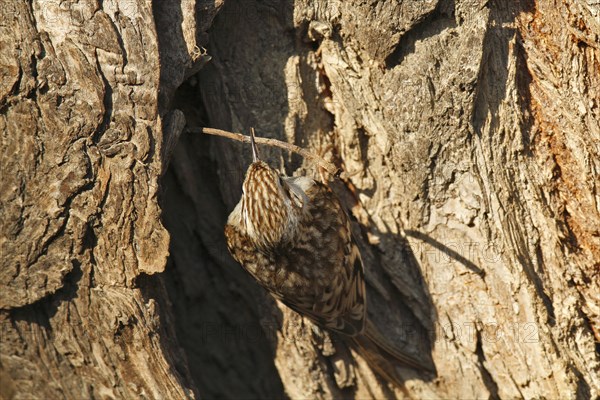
(217, 318)
(204, 296)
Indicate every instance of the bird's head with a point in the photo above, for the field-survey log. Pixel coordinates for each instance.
(272, 205)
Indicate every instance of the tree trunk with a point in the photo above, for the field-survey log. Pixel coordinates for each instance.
(470, 135)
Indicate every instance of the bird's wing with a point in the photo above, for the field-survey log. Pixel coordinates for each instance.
(340, 307)
(339, 301)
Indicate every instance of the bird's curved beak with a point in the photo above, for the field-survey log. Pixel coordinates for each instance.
(254, 148)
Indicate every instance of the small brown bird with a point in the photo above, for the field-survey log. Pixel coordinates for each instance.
(293, 236)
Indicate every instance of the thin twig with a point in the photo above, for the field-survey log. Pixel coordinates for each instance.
(329, 167)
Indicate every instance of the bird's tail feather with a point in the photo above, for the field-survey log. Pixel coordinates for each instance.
(383, 357)
(384, 344)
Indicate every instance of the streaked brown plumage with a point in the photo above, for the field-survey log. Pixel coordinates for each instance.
(293, 236)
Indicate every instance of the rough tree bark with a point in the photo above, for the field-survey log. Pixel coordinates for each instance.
(470, 133)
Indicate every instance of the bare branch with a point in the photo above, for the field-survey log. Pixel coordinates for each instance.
(329, 167)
